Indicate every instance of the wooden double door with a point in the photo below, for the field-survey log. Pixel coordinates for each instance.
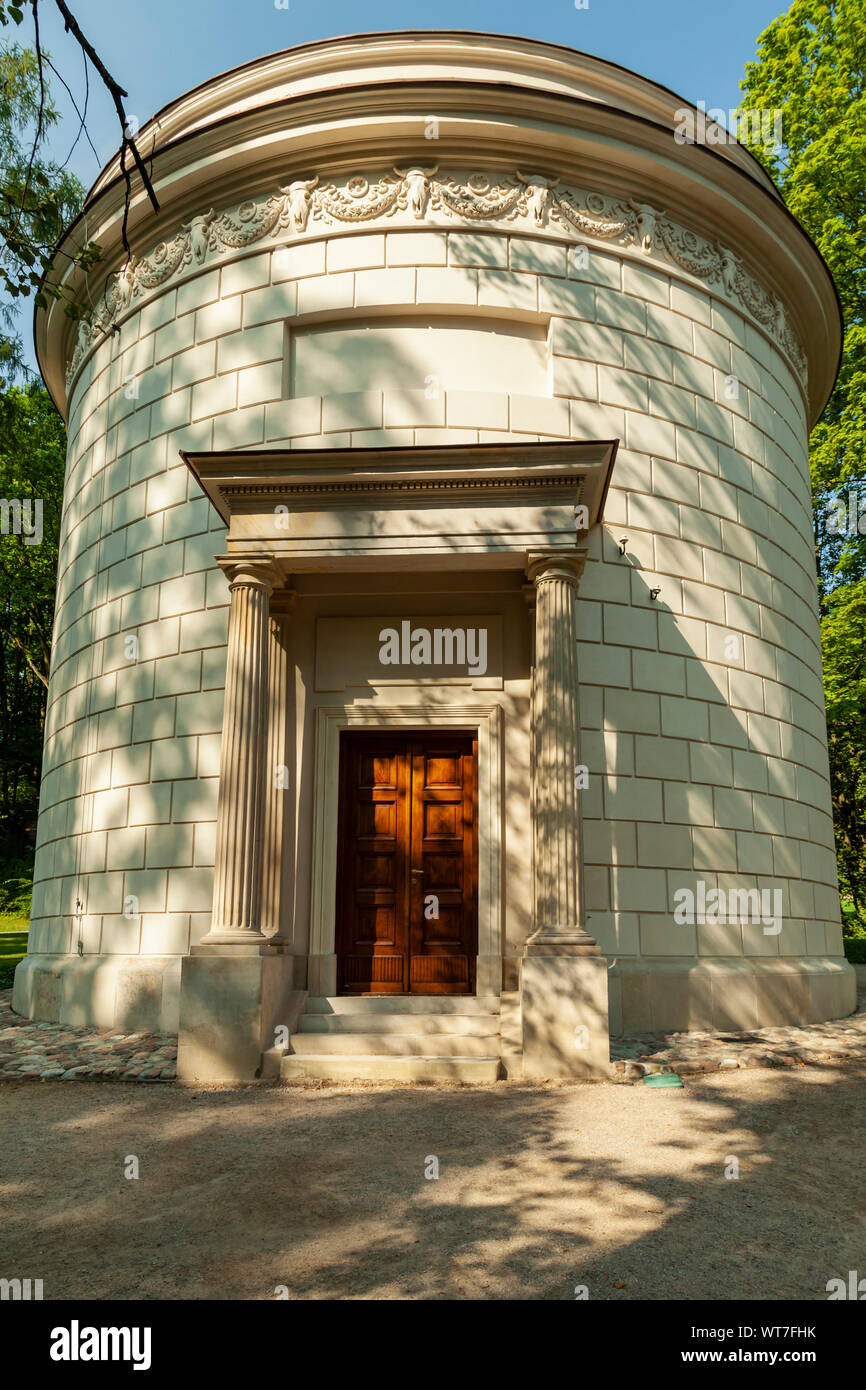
(407, 913)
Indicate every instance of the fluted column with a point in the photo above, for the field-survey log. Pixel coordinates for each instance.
(558, 885)
(280, 784)
(237, 898)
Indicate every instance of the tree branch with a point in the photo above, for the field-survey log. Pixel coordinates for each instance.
(117, 93)
(30, 662)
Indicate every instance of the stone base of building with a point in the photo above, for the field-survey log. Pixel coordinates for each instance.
(129, 993)
(728, 994)
(226, 1004)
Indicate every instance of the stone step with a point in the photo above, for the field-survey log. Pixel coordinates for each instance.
(375, 1068)
(478, 1025)
(403, 1004)
(396, 1045)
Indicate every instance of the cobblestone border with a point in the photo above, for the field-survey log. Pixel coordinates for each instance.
(819, 1044)
(34, 1051)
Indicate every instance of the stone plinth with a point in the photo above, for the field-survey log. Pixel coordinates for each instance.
(233, 999)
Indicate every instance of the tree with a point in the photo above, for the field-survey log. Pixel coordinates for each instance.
(32, 454)
(810, 65)
(36, 198)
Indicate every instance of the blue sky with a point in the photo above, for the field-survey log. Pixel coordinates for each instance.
(157, 49)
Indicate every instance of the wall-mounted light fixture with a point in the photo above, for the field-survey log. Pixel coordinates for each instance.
(654, 593)
(623, 542)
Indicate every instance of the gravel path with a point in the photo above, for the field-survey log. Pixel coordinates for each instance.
(541, 1190)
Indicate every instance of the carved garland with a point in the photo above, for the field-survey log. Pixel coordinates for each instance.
(539, 199)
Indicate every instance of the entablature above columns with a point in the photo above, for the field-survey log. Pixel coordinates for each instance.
(462, 506)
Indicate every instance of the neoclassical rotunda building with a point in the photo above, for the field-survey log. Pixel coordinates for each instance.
(436, 684)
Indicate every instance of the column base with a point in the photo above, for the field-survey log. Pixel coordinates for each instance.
(233, 998)
(564, 1012)
(233, 936)
(561, 941)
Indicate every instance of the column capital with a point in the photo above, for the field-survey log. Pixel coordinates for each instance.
(253, 569)
(555, 564)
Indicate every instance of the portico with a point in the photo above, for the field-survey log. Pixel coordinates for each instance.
(464, 510)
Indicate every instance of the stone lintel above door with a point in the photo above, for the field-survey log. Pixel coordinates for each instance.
(472, 506)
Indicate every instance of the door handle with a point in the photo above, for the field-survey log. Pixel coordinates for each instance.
(417, 871)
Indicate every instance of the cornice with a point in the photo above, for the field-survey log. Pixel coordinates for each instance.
(326, 65)
(244, 481)
(236, 495)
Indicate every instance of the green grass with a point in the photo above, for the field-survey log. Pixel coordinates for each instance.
(853, 935)
(13, 946)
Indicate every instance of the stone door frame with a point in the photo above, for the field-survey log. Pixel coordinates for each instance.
(482, 718)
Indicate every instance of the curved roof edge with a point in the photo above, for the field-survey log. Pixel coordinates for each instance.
(365, 92)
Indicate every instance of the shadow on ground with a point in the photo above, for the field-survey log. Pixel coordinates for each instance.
(540, 1190)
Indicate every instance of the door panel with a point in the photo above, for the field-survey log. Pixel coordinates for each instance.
(372, 881)
(407, 899)
(442, 897)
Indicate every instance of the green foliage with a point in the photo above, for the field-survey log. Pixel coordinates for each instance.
(811, 66)
(16, 886)
(32, 450)
(855, 949)
(851, 924)
(37, 198)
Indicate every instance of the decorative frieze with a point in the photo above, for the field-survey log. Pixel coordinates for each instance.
(306, 206)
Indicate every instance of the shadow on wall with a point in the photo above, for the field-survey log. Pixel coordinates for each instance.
(136, 995)
(702, 792)
(387, 354)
